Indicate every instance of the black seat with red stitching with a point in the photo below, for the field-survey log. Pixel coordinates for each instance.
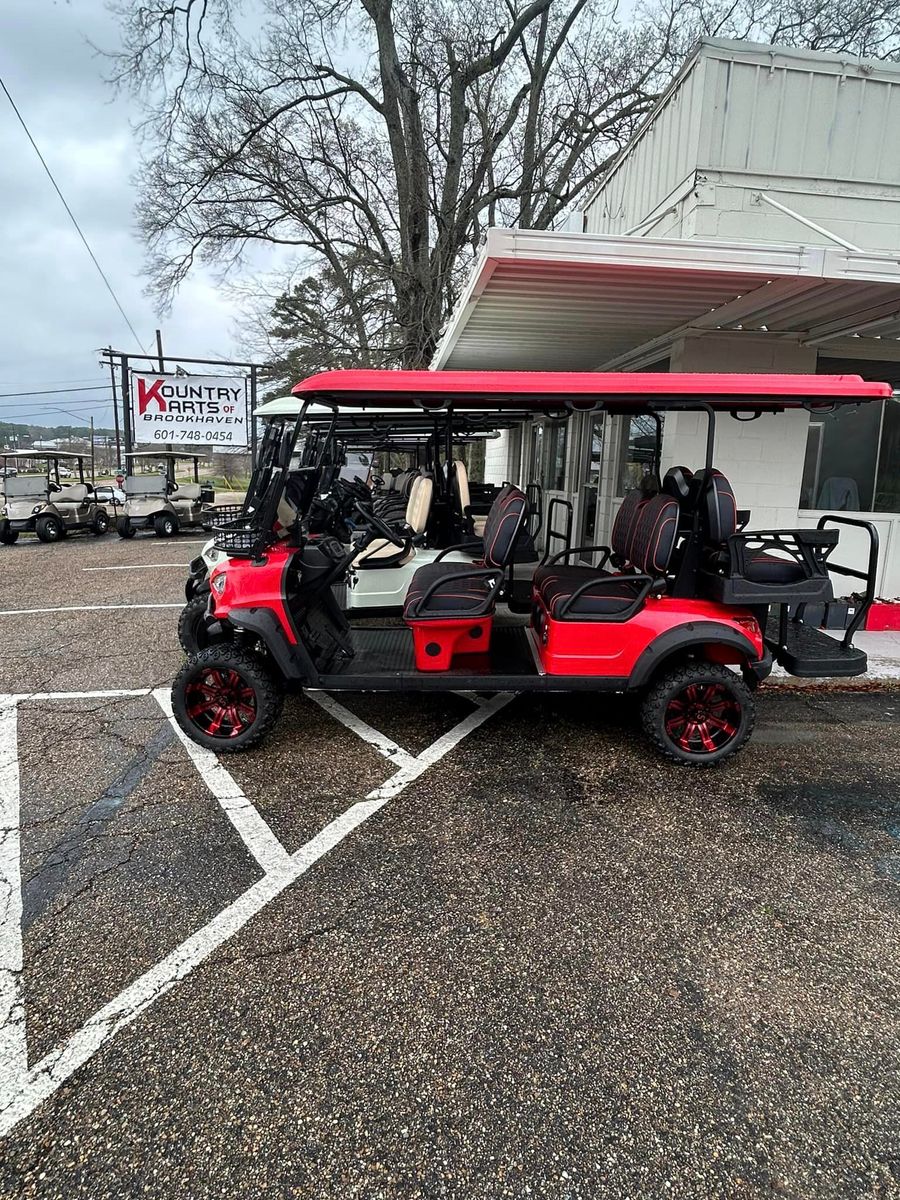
(453, 588)
(721, 520)
(647, 533)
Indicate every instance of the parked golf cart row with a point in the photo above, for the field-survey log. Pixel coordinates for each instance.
(40, 503)
(685, 608)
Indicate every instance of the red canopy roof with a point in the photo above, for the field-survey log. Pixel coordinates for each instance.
(584, 389)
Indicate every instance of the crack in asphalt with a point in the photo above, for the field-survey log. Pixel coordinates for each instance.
(51, 878)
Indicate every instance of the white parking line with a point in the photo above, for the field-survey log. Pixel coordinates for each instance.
(254, 832)
(139, 567)
(22, 1092)
(13, 1045)
(18, 612)
(384, 745)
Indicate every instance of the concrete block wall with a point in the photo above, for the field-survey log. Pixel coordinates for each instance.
(763, 459)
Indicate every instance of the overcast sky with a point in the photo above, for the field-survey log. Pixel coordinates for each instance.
(55, 309)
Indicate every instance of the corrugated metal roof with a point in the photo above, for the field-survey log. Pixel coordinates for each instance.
(552, 301)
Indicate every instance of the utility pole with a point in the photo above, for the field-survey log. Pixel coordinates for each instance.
(112, 384)
(126, 402)
(159, 352)
(253, 418)
(93, 472)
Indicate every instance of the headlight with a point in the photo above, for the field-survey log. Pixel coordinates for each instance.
(37, 508)
(217, 583)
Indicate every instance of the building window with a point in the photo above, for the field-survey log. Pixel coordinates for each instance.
(852, 460)
(592, 465)
(637, 452)
(553, 476)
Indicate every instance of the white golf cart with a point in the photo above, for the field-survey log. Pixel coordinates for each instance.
(38, 503)
(157, 500)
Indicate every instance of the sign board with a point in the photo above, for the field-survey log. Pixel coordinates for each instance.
(208, 410)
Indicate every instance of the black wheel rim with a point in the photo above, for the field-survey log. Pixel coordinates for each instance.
(702, 718)
(220, 702)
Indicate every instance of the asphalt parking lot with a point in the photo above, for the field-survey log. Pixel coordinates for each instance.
(427, 947)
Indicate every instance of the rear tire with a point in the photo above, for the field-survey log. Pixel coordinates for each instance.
(226, 699)
(100, 524)
(698, 714)
(124, 527)
(196, 631)
(48, 528)
(165, 525)
(8, 536)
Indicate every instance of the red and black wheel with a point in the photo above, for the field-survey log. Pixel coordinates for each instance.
(226, 699)
(700, 713)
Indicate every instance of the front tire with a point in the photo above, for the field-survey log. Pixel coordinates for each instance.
(100, 524)
(226, 699)
(698, 714)
(197, 631)
(8, 536)
(165, 525)
(48, 528)
(124, 527)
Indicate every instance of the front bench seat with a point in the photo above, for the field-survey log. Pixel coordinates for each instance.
(441, 587)
(381, 552)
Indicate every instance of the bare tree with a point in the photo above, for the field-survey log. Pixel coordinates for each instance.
(376, 139)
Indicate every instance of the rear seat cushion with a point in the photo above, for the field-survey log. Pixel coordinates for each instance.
(766, 568)
(458, 597)
(610, 595)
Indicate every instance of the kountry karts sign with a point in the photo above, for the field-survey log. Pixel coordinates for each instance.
(209, 409)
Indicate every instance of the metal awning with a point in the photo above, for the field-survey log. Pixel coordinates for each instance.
(539, 300)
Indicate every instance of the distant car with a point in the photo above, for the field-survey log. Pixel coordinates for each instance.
(65, 473)
(8, 472)
(105, 493)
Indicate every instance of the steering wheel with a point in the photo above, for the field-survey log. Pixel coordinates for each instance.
(378, 526)
(55, 487)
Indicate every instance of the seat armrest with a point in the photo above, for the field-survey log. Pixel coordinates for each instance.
(564, 554)
(473, 573)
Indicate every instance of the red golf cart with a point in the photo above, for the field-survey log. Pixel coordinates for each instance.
(684, 607)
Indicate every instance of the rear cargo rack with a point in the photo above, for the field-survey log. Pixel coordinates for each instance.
(218, 514)
(242, 538)
(804, 650)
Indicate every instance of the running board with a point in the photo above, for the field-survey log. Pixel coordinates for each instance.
(811, 654)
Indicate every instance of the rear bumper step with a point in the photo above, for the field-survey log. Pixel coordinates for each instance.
(811, 654)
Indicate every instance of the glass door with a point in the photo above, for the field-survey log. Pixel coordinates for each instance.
(589, 492)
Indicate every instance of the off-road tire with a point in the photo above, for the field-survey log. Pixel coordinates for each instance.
(253, 671)
(124, 527)
(8, 536)
(100, 524)
(49, 528)
(165, 525)
(193, 635)
(666, 688)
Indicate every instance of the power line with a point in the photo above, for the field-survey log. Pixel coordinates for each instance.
(72, 217)
(100, 387)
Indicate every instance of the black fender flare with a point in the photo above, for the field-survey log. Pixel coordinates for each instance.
(292, 660)
(696, 633)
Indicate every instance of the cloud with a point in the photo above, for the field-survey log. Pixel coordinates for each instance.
(56, 310)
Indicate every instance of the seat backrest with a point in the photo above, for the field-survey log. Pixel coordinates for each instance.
(418, 506)
(461, 485)
(625, 524)
(504, 525)
(72, 493)
(654, 535)
(188, 491)
(719, 508)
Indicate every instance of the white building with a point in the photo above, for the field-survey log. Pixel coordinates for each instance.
(753, 224)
